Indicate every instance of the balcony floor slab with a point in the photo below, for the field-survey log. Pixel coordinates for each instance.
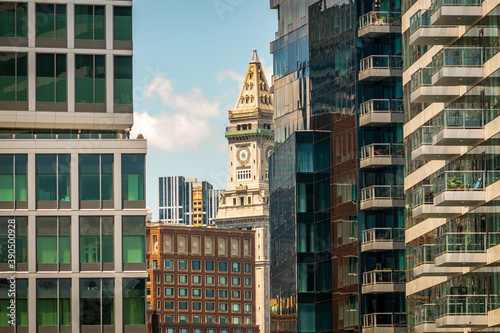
(460, 198)
(382, 246)
(429, 211)
(381, 203)
(460, 259)
(434, 36)
(378, 30)
(433, 270)
(462, 321)
(458, 137)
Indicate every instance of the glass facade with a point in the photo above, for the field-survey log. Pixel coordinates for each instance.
(51, 21)
(96, 181)
(90, 84)
(14, 20)
(96, 241)
(134, 302)
(53, 241)
(133, 173)
(122, 23)
(13, 182)
(123, 80)
(51, 78)
(97, 302)
(52, 179)
(90, 22)
(53, 302)
(134, 232)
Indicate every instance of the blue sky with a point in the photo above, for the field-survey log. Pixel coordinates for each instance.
(189, 59)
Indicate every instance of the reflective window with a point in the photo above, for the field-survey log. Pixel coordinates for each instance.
(90, 22)
(13, 75)
(14, 20)
(133, 229)
(134, 301)
(50, 21)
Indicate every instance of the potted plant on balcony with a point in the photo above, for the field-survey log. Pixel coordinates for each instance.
(451, 184)
(458, 185)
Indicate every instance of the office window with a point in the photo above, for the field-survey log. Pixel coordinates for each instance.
(248, 294)
(197, 320)
(183, 292)
(90, 22)
(196, 265)
(196, 292)
(236, 320)
(13, 75)
(222, 266)
(53, 243)
(248, 282)
(168, 278)
(123, 80)
(235, 267)
(52, 179)
(168, 264)
(169, 330)
(133, 229)
(222, 280)
(132, 179)
(248, 307)
(183, 264)
(183, 279)
(169, 318)
(96, 239)
(236, 307)
(50, 293)
(13, 184)
(210, 306)
(183, 305)
(209, 266)
(222, 293)
(169, 305)
(210, 320)
(14, 20)
(209, 280)
(169, 291)
(133, 302)
(236, 294)
(196, 306)
(236, 281)
(97, 301)
(248, 267)
(122, 23)
(222, 306)
(196, 279)
(96, 179)
(223, 320)
(244, 174)
(209, 293)
(51, 21)
(51, 78)
(21, 239)
(183, 319)
(90, 78)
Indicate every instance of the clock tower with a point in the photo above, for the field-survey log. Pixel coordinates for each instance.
(244, 203)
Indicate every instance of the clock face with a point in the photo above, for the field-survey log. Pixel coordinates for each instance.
(243, 155)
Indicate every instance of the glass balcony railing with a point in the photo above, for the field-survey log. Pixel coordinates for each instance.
(425, 314)
(420, 19)
(463, 119)
(464, 180)
(382, 149)
(383, 235)
(422, 77)
(436, 4)
(381, 62)
(65, 136)
(458, 242)
(381, 105)
(463, 57)
(424, 254)
(422, 195)
(460, 305)
(382, 192)
(380, 18)
(384, 277)
(421, 137)
(384, 320)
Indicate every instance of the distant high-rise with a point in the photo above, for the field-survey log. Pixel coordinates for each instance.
(71, 179)
(187, 201)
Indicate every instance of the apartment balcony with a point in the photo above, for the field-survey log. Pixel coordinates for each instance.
(384, 323)
(422, 90)
(461, 249)
(424, 264)
(380, 67)
(460, 127)
(422, 200)
(423, 33)
(382, 197)
(382, 239)
(455, 66)
(383, 281)
(425, 320)
(423, 149)
(379, 155)
(377, 24)
(455, 12)
(462, 188)
(378, 112)
(462, 311)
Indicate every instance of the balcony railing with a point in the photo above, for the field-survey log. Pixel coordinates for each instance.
(457, 242)
(383, 235)
(384, 277)
(421, 137)
(63, 136)
(460, 305)
(424, 254)
(382, 192)
(464, 180)
(425, 314)
(382, 149)
(422, 195)
(436, 4)
(463, 57)
(463, 119)
(381, 105)
(381, 62)
(422, 77)
(420, 19)
(380, 18)
(384, 320)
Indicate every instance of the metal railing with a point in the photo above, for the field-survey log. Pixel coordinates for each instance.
(463, 57)
(424, 254)
(459, 242)
(384, 277)
(384, 320)
(380, 18)
(421, 137)
(436, 4)
(381, 62)
(381, 192)
(382, 149)
(422, 77)
(463, 119)
(383, 235)
(381, 106)
(459, 305)
(422, 195)
(464, 180)
(421, 18)
(64, 136)
(425, 314)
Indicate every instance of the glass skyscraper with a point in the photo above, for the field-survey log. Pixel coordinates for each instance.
(71, 179)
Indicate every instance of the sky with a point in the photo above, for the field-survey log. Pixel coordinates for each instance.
(190, 58)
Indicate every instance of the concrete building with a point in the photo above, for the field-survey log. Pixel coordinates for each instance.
(71, 179)
(187, 201)
(451, 70)
(244, 204)
(201, 280)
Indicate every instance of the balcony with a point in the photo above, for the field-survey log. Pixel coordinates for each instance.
(382, 239)
(424, 265)
(455, 66)
(383, 281)
(455, 12)
(461, 249)
(462, 311)
(422, 199)
(422, 148)
(384, 323)
(382, 197)
(423, 33)
(378, 112)
(379, 155)
(422, 90)
(425, 320)
(377, 24)
(380, 67)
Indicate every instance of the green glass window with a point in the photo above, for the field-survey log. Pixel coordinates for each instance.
(53, 240)
(20, 181)
(90, 22)
(96, 239)
(134, 301)
(133, 239)
(51, 21)
(96, 301)
(46, 302)
(13, 20)
(122, 23)
(123, 80)
(52, 177)
(90, 76)
(51, 78)
(133, 177)
(13, 77)
(21, 226)
(21, 302)
(6, 177)
(96, 177)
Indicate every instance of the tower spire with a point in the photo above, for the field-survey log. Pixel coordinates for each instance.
(255, 58)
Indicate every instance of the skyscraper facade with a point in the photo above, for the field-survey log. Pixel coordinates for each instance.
(451, 70)
(72, 181)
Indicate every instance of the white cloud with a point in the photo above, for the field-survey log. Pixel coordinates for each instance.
(230, 74)
(183, 123)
